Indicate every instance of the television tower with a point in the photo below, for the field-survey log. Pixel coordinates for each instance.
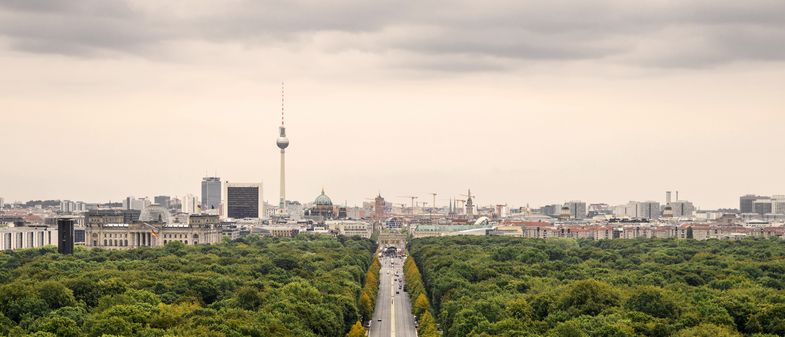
(282, 143)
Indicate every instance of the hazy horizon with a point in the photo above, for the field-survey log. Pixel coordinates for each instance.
(523, 102)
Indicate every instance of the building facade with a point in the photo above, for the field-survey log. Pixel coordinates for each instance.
(244, 201)
(762, 206)
(211, 193)
(351, 228)
(682, 208)
(27, 236)
(648, 210)
(163, 200)
(102, 232)
(577, 209)
(746, 203)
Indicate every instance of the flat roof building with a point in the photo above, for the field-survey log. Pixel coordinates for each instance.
(243, 200)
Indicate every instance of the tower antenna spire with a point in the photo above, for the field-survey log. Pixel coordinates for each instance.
(282, 96)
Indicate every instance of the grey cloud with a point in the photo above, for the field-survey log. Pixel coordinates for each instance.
(496, 33)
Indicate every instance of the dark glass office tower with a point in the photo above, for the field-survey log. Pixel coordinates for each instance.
(244, 201)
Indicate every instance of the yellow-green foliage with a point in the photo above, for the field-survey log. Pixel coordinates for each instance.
(367, 301)
(357, 330)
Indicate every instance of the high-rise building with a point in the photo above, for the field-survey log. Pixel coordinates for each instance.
(577, 209)
(163, 200)
(763, 206)
(283, 143)
(135, 203)
(625, 210)
(759, 204)
(648, 210)
(190, 204)
(2, 203)
(244, 201)
(746, 201)
(550, 210)
(778, 203)
(211, 193)
(682, 208)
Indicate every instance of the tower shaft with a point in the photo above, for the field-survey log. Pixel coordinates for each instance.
(282, 202)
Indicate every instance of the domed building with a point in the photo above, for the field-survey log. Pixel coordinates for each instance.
(155, 213)
(322, 207)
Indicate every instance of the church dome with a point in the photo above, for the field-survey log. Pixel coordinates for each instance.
(323, 200)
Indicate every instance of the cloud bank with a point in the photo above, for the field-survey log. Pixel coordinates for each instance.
(442, 36)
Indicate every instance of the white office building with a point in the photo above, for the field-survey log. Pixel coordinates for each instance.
(30, 236)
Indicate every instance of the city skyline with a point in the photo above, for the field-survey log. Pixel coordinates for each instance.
(610, 102)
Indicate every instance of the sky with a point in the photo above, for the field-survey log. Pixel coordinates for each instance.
(524, 102)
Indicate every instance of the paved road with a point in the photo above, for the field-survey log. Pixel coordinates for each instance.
(394, 310)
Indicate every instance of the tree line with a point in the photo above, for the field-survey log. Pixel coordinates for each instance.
(501, 286)
(303, 286)
(367, 302)
(421, 307)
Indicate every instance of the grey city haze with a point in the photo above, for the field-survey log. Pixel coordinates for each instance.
(521, 101)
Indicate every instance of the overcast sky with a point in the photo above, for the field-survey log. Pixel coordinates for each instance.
(522, 101)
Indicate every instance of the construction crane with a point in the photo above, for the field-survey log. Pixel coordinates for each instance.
(410, 197)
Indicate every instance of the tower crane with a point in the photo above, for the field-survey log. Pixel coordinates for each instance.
(470, 196)
(410, 197)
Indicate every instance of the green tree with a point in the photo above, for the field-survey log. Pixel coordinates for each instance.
(520, 309)
(60, 326)
(588, 297)
(708, 330)
(653, 301)
(249, 298)
(56, 295)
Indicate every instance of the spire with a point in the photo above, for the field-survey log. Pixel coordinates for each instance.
(282, 96)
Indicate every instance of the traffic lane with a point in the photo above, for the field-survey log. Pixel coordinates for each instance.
(404, 317)
(382, 311)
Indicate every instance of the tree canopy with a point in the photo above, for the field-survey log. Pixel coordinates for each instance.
(502, 286)
(303, 286)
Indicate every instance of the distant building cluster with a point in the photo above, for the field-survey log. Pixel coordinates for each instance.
(229, 210)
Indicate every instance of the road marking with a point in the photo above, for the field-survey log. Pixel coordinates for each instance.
(392, 314)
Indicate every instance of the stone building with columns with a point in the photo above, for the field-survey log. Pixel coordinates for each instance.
(154, 229)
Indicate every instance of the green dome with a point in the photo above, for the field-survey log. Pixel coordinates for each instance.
(323, 200)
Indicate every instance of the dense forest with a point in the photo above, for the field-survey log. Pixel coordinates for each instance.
(306, 286)
(502, 286)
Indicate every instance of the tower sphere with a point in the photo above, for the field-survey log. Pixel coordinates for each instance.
(282, 141)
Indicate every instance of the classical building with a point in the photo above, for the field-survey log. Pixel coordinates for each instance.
(27, 236)
(351, 228)
(154, 229)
